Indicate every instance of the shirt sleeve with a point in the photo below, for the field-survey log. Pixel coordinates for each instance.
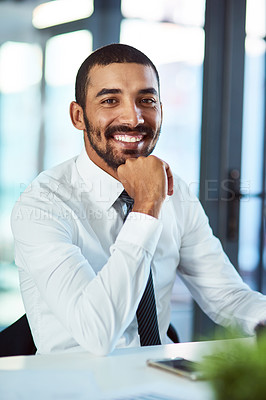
(94, 308)
(212, 279)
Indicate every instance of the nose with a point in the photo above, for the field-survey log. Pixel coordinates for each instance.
(131, 114)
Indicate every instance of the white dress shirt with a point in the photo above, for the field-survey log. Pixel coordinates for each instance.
(83, 272)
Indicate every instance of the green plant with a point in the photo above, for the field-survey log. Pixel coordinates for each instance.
(237, 370)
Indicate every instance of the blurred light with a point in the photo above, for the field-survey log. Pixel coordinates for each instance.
(183, 12)
(61, 67)
(254, 46)
(256, 18)
(149, 9)
(20, 66)
(188, 42)
(61, 11)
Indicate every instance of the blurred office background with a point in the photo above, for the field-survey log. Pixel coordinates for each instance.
(211, 58)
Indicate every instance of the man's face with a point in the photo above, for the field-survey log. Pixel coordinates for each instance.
(122, 114)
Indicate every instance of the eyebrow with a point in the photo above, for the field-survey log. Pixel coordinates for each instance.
(105, 91)
(150, 90)
(108, 91)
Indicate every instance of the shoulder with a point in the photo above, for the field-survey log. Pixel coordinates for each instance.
(50, 180)
(60, 173)
(49, 189)
(183, 191)
(44, 202)
(184, 204)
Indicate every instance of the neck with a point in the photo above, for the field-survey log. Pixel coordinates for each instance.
(100, 162)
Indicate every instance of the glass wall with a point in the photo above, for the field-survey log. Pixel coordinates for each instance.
(251, 207)
(20, 77)
(62, 141)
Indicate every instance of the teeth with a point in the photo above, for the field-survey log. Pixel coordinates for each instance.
(128, 138)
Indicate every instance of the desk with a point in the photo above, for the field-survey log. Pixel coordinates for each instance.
(121, 375)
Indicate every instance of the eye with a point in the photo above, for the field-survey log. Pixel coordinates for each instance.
(149, 101)
(109, 101)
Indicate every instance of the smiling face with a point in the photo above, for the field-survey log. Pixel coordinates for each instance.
(122, 116)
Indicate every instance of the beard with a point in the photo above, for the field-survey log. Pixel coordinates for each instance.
(110, 155)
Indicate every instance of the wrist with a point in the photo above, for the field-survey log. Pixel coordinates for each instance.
(149, 208)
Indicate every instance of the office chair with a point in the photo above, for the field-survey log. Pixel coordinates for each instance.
(172, 334)
(16, 339)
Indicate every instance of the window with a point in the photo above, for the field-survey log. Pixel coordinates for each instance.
(20, 77)
(61, 141)
(253, 142)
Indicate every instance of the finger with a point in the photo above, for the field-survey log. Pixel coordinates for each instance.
(170, 179)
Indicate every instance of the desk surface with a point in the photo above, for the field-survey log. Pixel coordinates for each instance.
(120, 375)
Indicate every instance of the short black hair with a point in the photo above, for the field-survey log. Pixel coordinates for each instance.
(112, 53)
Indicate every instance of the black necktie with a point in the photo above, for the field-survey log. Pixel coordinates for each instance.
(129, 202)
(146, 312)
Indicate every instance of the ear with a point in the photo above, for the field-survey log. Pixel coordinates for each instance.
(161, 106)
(76, 115)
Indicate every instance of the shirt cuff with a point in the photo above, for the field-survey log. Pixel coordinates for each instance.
(142, 230)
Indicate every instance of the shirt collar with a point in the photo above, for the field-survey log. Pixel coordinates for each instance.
(103, 188)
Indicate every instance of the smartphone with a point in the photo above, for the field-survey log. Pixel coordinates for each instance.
(180, 366)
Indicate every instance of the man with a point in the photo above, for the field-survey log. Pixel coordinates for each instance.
(85, 261)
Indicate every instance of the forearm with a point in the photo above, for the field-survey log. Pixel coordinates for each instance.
(94, 309)
(219, 290)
